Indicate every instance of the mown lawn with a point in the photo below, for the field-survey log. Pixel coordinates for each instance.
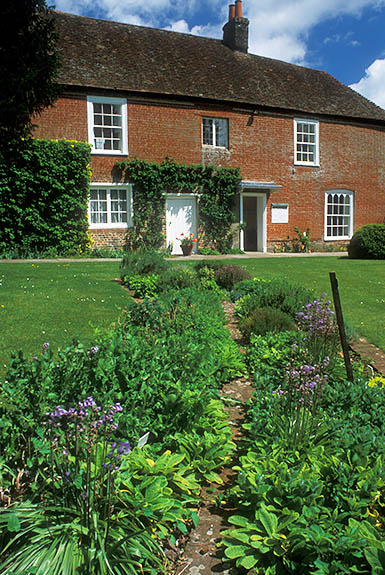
(361, 285)
(56, 302)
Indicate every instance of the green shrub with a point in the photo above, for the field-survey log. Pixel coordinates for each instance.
(44, 198)
(228, 275)
(268, 355)
(289, 298)
(207, 282)
(368, 242)
(143, 286)
(179, 277)
(246, 287)
(212, 264)
(143, 262)
(264, 320)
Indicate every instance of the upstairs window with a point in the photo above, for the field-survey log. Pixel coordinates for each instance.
(338, 215)
(107, 125)
(306, 145)
(110, 206)
(215, 132)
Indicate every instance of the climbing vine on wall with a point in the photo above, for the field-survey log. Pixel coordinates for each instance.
(216, 188)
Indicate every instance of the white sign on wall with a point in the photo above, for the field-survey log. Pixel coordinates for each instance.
(279, 213)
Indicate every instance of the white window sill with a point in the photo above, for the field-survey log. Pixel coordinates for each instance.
(207, 147)
(109, 226)
(108, 153)
(337, 238)
(308, 164)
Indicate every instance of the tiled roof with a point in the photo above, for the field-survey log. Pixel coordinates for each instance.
(123, 57)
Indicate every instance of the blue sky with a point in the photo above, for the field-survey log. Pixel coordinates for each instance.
(343, 37)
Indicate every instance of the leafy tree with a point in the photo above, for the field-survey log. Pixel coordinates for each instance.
(28, 64)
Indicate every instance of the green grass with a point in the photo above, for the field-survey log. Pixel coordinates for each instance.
(361, 285)
(56, 302)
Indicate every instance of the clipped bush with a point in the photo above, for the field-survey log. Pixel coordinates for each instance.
(143, 262)
(265, 320)
(368, 243)
(178, 278)
(279, 294)
(228, 275)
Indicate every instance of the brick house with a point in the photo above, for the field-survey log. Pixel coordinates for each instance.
(311, 151)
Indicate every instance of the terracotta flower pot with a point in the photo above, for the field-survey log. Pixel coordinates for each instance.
(187, 250)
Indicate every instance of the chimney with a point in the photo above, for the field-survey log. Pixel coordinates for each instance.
(236, 30)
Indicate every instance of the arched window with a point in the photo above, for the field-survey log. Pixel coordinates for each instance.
(338, 214)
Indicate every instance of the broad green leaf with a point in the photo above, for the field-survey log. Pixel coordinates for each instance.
(235, 551)
(248, 562)
(239, 520)
(268, 520)
(13, 524)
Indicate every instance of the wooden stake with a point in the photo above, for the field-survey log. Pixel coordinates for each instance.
(341, 325)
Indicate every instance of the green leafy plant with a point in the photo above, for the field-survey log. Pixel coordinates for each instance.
(368, 242)
(263, 320)
(143, 262)
(80, 524)
(143, 286)
(228, 275)
(216, 186)
(289, 298)
(44, 197)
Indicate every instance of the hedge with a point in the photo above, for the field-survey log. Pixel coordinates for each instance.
(44, 187)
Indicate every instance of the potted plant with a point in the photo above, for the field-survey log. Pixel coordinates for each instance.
(186, 243)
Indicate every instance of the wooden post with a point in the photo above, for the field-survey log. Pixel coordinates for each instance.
(341, 325)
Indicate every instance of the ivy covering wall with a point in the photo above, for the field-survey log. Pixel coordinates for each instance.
(216, 189)
(44, 187)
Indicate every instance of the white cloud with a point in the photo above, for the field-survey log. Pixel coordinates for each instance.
(372, 85)
(279, 28)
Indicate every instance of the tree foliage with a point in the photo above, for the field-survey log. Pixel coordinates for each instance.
(28, 64)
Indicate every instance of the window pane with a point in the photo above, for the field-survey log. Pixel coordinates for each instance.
(339, 214)
(221, 133)
(208, 132)
(108, 127)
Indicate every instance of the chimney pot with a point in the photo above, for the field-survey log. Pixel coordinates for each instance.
(236, 30)
(238, 8)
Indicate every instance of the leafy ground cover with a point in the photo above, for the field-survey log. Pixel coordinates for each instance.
(361, 284)
(56, 302)
(309, 493)
(105, 447)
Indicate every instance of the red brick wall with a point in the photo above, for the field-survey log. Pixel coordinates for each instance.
(352, 157)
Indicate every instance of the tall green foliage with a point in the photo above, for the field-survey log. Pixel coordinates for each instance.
(216, 188)
(44, 196)
(28, 64)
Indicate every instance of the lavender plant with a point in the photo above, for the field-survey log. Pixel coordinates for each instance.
(77, 522)
(304, 386)
(320, 334)
(84, 457)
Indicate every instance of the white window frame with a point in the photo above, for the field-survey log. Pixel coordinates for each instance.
(91, 100)
(214, 128)
(109, 224)
(314, 123)
(350, 195)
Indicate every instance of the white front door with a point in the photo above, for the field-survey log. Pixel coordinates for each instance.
(180, 219)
